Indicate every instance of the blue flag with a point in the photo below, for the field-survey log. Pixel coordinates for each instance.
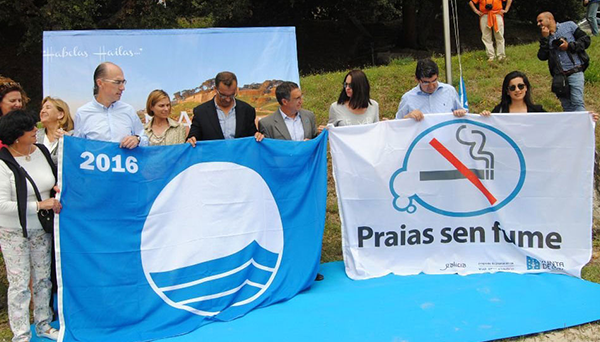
(462, 94)
(158, 241)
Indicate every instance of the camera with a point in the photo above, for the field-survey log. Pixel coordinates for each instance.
(556, 43)
(488, 6)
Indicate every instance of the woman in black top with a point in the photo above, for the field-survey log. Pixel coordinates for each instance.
(516, 96)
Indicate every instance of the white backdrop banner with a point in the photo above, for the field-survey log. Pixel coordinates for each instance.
(508, 193)
(182, 62)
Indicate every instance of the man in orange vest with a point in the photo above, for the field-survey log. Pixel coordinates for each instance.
(491, 20)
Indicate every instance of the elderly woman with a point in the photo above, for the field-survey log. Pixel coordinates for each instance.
(25, 244)
(12, 96)
(56, 119)
(354, 105)
(162, 130)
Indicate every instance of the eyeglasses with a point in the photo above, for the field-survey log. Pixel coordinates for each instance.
(117, 82)
(514, 87)
(426, 83)
(347, 85)
(225, 97)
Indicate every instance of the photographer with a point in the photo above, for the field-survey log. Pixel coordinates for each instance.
(563, 46)
(491, 21)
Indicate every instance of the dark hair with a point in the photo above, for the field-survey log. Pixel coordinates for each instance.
(225, 77)
(284, 90)
(7, 85)
(153, 98)
(14, 124)
(361, 91)
(506, 100)
(426, 68)
(100, 72)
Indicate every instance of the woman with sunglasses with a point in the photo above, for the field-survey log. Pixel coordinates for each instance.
(516, 96)
(354, 105)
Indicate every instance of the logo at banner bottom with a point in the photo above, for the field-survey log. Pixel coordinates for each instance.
(215, 243)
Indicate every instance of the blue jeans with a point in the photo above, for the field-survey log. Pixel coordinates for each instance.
(574, 103)
(592, 19)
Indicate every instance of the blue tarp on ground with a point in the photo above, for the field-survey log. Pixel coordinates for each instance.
(457, 308)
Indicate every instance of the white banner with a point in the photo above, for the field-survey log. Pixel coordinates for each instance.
(506, 193)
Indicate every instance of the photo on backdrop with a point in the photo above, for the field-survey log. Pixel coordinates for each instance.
(181, 62)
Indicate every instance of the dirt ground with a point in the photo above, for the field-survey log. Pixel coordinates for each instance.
(582, 333)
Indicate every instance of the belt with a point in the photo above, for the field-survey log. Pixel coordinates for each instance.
(573, 70)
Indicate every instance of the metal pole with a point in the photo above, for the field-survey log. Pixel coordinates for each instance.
(447, 42)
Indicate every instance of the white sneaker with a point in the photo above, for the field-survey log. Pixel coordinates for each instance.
(51, 333)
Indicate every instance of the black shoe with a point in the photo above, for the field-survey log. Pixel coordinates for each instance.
(319, 277)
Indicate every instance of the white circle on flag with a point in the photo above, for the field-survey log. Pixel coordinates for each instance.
(212, 239)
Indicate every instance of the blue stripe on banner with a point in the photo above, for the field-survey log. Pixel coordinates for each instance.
(252, 253)
(226, 282)
(245, 292)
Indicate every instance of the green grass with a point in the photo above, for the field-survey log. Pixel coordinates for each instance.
(388, 83)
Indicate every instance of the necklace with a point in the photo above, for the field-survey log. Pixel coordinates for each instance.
(27, 156)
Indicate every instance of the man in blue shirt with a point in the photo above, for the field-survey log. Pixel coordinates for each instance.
(563, 46)
(429, 96)
(106, 117)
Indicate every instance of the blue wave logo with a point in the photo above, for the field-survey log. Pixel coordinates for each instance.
(204, 252)
(217, 284)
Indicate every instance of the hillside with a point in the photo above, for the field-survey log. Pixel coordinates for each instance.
(483, 81)
(260, 95)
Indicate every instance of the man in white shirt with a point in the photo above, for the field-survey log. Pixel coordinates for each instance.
(290, 121)
(106, 117)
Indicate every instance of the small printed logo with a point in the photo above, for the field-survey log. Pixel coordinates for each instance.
(454, 265)
(535, 264)
(459, 168)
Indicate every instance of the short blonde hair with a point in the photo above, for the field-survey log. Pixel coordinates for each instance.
(66, 123)
(155, 96)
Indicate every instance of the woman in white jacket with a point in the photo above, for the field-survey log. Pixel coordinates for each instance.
(25, 244)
